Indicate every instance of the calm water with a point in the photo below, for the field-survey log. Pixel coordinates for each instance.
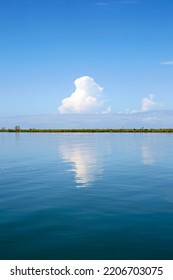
(86, 196)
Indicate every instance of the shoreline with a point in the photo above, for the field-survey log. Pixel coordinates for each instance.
(106, 130)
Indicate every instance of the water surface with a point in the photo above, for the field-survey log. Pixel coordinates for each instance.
(86, 196)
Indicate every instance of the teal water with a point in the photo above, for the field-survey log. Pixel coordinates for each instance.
(86, 196)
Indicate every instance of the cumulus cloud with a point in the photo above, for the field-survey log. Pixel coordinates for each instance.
(85, 99)
(149, 104)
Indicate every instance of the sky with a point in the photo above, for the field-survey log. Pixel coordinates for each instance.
(85, 56)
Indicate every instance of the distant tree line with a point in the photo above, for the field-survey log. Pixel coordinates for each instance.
(17, 129)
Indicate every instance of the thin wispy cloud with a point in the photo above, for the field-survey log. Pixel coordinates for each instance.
(102, 4)
(148, 104)
(30, 2)
(108, 110)
(167, 62)
(127, 1)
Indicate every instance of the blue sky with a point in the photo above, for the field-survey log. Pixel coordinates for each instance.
(125, 47)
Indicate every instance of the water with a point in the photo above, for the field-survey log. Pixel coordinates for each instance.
(86, 196)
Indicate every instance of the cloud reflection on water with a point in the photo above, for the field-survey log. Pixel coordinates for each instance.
(147, 154)
(85, 162)
(151, 148)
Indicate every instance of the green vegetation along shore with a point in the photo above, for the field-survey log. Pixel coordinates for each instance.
(81, 130)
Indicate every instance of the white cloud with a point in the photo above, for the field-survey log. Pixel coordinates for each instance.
(149, 104)
(85, 99)
(168, 62)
